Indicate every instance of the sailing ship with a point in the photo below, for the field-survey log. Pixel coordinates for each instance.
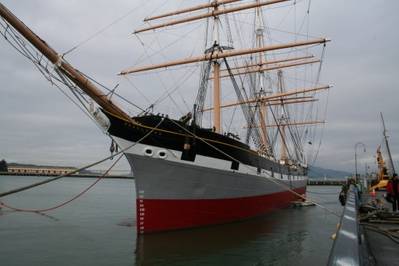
(188, 174)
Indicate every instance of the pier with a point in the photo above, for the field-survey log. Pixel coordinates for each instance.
(326, 182)
(367, 233)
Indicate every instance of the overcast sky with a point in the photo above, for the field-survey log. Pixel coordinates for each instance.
(39, 125)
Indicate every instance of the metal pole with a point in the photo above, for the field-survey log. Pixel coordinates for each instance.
(355, 163)
(364, 147)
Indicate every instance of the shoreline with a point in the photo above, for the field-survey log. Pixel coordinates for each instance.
(74, 175)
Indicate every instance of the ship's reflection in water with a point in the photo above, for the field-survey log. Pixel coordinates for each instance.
(276, 239)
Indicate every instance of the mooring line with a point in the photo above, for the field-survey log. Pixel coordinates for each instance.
(13, 191)
(65, 202)
(64, 175)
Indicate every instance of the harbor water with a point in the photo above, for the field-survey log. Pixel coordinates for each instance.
(99, 229)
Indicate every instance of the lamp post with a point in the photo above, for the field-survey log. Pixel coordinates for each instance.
(364, 150)
(366, 174)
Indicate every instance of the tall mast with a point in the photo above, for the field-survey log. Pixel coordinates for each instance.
(73, 74)
(216, 97)
(386, 143)
(259, 79)
(283, 147)
(216, 75)
(283, 121)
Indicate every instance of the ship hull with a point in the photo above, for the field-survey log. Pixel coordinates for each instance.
(187, 176)
(164, 215)
(174, 194)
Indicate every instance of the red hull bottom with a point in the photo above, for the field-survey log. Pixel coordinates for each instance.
(164, 215)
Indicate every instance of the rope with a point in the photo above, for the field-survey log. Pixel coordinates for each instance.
(163, 86)
(115, 93)
(104, 29)
(80, 169)
(29, 52)
(388, 233)
(326, 106)
(65, 202)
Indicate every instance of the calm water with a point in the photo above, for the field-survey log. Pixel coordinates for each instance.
(99, 229)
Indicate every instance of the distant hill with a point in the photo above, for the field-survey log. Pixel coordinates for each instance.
(318, 172)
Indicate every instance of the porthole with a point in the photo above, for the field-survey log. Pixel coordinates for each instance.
(162, 154)
(148, 152)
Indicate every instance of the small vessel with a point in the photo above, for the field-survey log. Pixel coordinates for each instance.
(194, 171)
(385, 170)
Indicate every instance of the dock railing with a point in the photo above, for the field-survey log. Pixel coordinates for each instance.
(346, 246)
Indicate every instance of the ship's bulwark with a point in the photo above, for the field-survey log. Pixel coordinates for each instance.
(172, 195)
(171, 136)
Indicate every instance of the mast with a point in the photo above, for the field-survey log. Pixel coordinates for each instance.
(386, 143)
(283, 121)
(73, 74)
(283, 144)
(216, 74)
(259, 29)
(216, 97)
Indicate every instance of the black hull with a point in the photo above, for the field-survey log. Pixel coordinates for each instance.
(169, 135)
